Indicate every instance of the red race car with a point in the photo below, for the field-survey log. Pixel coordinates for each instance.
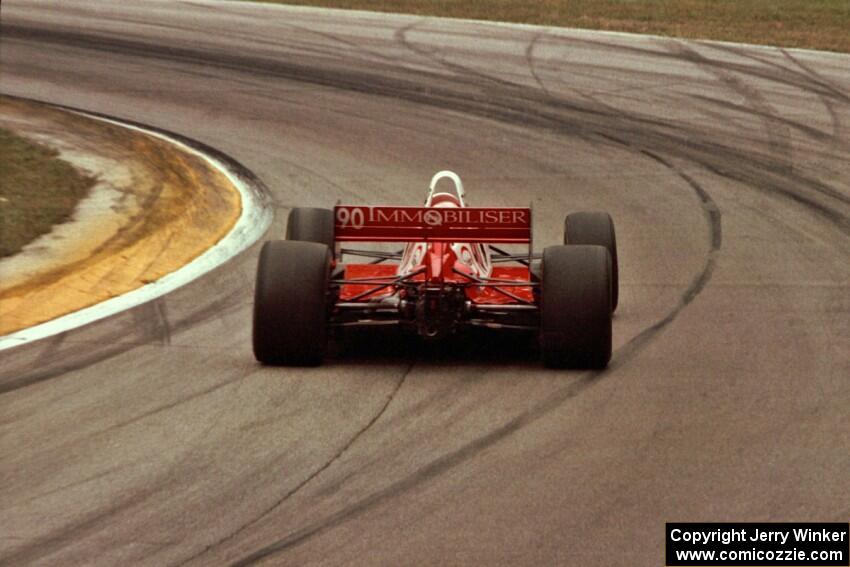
(450, 275)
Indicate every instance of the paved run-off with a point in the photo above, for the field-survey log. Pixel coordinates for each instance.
(155, 208)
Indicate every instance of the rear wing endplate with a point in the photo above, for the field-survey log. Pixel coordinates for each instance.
(508, 225)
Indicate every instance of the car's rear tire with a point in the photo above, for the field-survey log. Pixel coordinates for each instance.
(575, 307)
(290, 303)
(596, 228)
(311, 225)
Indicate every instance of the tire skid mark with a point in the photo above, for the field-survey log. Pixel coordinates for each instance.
(92, 523)
(391, 61)
(51, 346)
(115, 343)
(146, 319)
(814, 133)
(532, 66)
(522, 92)
(292, 492)
(315, 48)
(713, 219)
(96, 521)
(838, 129)
(184, 400)
(592, 98)
(805, 75)
(462, 71)
(793, 80)
(779, 139)
(162, 319)
(515, 96)
(82, 481)
(773, 186)
(429, 471)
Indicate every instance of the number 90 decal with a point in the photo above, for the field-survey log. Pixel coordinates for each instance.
(353, 217)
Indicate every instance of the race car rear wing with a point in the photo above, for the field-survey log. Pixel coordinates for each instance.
(506, 225)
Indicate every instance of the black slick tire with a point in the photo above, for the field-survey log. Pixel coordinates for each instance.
(290, 303)
(311, 225)
(575, 307)
(596, 228)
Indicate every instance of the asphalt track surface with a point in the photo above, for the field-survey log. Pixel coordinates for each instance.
(154, 438)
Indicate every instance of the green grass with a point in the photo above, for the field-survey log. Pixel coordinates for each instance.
(814, 24)
(37, 191)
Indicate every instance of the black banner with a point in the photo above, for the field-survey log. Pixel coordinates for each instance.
(758, 545)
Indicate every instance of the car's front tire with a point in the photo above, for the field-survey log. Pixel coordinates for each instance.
(290, 303)
(575, 307)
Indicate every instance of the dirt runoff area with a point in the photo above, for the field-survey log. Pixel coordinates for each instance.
(151, 207)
